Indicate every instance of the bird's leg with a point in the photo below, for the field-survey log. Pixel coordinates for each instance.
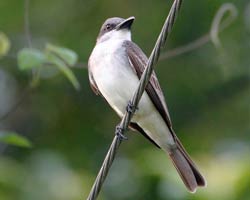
(131, 107)
(118, 132)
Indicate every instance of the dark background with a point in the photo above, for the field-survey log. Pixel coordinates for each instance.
(207, 91)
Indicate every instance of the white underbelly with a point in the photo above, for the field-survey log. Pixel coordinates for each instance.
(117, 82)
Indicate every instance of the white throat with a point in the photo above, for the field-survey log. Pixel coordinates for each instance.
(123, 34)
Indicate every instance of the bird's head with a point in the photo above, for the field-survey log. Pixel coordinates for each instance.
(116, 28)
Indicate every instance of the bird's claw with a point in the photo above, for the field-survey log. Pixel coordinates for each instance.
(130, 107)
(118, 132)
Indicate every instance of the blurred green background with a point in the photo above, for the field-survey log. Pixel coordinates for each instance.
(207, 91)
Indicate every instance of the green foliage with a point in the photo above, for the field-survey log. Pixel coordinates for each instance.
(30, 58)
(15, 139)
(63, 58)
(4, 44)
(67, 55)
(60, 57)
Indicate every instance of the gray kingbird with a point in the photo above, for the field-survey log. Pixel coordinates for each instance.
(115, 67)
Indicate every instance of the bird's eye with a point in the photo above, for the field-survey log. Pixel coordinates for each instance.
(108, 26)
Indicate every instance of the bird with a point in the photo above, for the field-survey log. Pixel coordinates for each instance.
(115, 67)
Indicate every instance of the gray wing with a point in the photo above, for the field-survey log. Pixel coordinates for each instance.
(139, 61)
(93, 84)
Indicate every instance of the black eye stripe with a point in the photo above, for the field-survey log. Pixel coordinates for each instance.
(109, 26)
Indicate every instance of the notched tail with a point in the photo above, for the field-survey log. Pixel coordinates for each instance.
(186, 168)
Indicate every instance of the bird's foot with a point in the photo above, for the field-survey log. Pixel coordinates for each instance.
(119, 132)
(131, 107)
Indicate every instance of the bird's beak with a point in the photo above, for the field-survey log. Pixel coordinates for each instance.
(126, 24)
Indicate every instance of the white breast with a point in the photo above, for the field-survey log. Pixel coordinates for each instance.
(113, 75)
(117, 82)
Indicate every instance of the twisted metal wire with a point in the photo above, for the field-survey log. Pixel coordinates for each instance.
(167, 27)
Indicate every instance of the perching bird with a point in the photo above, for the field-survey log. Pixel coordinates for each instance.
(115, 67)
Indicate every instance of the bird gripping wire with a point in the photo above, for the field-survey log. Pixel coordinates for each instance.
(167, 27)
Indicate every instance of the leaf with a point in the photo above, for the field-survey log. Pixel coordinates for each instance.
(58, 62)
(4, 44)
(12, 138)
(67, 55)
(29, 58)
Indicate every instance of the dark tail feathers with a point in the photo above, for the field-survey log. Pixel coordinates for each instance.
(189, 173)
